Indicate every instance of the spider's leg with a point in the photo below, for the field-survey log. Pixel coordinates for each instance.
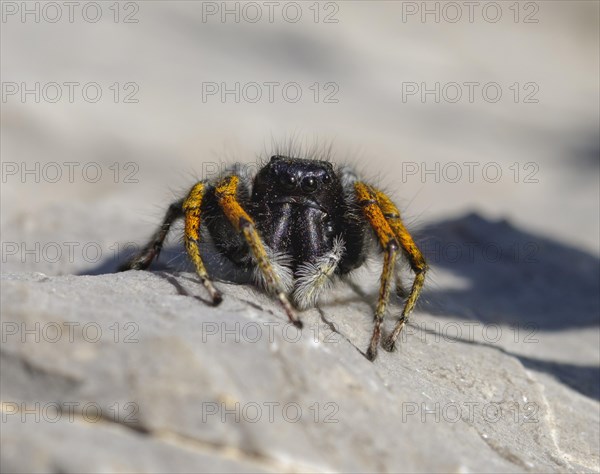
(314, 277)
(226, 193)
(387, 239)
(192, 208)
(415, 257)
(152, 249)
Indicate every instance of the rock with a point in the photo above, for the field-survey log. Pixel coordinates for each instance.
(135, 372)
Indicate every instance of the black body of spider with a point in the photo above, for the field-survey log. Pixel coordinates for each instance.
(297, 224)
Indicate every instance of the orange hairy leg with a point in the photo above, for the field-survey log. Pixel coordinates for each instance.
(226, 193)
(387, 239)
(192, 208)
(415, 258)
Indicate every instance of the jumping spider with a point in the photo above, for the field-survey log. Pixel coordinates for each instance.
(295, 224)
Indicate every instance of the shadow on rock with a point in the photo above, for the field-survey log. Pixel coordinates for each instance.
(583, 378)
(511, 277)
(174, 258)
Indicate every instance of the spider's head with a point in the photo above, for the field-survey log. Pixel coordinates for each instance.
(298, 177)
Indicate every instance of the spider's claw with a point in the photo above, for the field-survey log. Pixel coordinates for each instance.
(388, 344)
(217, 299)
(371, 353)
(285, 302)
(124, 267)
(299, 324)
(215, 295)
(131, 265)
(140, 262)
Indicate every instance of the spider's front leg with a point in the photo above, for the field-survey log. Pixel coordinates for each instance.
(384, 217)
(226, 193)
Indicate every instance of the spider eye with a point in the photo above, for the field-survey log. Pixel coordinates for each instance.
(326, 178)
(309, 184)
(288, 181)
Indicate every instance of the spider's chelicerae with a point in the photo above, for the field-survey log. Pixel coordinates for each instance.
(297, 223)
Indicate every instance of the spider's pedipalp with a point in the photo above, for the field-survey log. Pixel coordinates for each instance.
(314, 277)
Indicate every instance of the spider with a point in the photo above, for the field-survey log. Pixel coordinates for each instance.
(295, 224)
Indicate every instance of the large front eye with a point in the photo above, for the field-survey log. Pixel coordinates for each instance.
(309, 184)
(288, 181)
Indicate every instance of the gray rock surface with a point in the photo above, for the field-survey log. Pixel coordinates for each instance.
(150, 378)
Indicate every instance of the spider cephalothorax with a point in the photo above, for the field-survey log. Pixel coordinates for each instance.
(297, 223)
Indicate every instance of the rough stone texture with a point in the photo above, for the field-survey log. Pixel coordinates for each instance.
(510, 317)
(460, 394)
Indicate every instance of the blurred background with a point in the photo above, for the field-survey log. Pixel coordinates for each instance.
(111, 110)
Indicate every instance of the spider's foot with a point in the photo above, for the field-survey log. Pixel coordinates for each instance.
(371, 353)
(124, 267)
(299, 324)
(291, 314)
(217, 298)
(141, 262)
(374, 343)
(215, 295)
(132, 265)
(389, 344)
